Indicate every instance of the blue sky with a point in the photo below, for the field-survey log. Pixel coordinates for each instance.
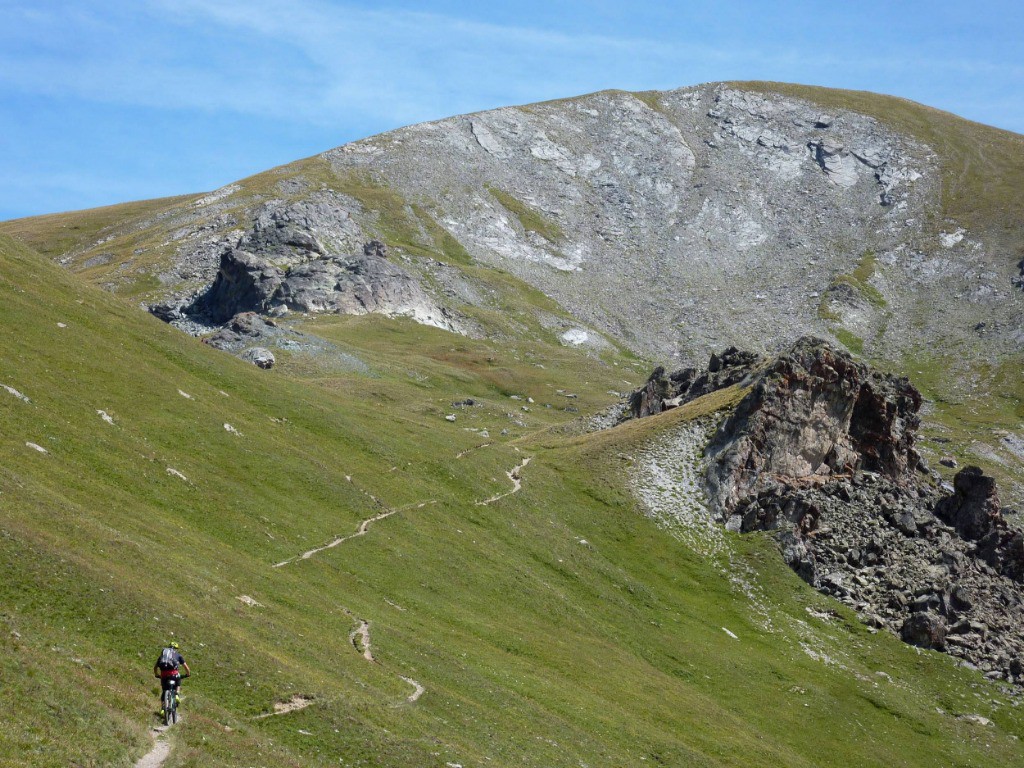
(103, 101)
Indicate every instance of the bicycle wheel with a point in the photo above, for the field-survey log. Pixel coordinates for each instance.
(168, 706)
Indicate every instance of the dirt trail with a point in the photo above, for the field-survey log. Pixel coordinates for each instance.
(419, 689)
(360, 531)
(160, 751)
(360, 639)
(515, 475)
(470, 450)
(294, 704)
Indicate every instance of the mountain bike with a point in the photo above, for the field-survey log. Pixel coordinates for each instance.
(170, 700)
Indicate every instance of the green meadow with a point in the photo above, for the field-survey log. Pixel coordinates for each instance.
(555, 626)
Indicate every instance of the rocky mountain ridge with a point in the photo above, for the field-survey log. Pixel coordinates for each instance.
(674, 223)
(821, 450)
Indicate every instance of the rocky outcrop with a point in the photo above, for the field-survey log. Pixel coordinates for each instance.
(975, 513)
(355, 284)
(813, 412)
(820, 451)
(245, 283)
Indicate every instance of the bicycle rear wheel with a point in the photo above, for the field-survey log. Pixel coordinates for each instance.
(169, 712)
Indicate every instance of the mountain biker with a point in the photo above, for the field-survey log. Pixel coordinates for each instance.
(166, 668)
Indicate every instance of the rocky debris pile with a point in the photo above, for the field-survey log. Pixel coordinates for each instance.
(821, 451)
(884, 549)
(245, 330)
(241, 331)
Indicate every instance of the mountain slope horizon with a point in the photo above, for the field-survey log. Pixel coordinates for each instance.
(722, 181)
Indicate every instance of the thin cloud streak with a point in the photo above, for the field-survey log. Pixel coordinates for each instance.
(312, 63)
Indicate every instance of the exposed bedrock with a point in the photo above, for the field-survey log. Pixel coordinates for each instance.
(352, 284)
(813, 412)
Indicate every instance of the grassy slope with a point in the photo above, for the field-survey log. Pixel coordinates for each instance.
(56, 234)
(535, 649)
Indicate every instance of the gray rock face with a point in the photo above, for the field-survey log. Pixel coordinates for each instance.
(245, 283)
(352, 285)
(677, 215)
(357, 284)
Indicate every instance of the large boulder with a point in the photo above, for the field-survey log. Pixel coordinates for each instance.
(261, 357)
(925, 630)
(973, 509)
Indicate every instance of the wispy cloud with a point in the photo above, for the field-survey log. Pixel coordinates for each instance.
(323, 63)
(319, 62)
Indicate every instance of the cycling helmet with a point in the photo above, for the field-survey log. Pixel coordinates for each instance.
(174, 645)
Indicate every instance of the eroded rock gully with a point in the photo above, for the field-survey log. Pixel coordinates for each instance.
(820, 450)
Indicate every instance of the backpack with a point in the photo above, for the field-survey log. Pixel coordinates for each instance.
(168, 659)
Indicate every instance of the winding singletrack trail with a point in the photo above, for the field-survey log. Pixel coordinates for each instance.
(360, 531)
(470, 450)
(294, 704)
(161, 751)
(515, 475)
(359, 638)
(418, 691)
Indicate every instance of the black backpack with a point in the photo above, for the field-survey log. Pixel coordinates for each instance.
(168, 659)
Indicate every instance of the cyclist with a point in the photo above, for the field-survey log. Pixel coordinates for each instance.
(167, 669)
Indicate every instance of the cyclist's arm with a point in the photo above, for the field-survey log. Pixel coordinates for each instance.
(187, 670)
(156, 670)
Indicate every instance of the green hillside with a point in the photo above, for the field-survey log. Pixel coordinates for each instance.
(556, 626)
